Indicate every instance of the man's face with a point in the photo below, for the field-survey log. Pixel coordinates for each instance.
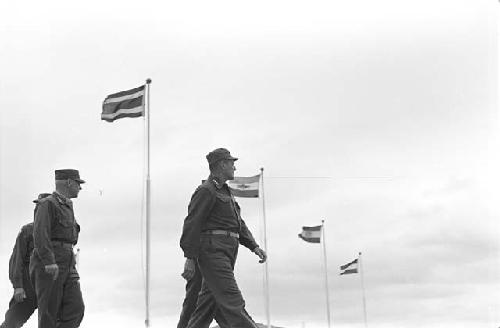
(229, 169)
(74, 188)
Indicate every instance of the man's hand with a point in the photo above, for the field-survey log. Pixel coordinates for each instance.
(53, 270)
(261, 254)
(19, 294)
(189, 269)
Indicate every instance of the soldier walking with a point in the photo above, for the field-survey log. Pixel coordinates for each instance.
(212, 232)
(52, 265)
(23, 302)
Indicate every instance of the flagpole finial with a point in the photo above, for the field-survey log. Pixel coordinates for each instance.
(359, 253)
(261, 169)
(148, 81)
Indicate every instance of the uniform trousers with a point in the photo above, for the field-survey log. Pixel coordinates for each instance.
(18, 313)
(60, 302)
(193, 287)
(219, 290)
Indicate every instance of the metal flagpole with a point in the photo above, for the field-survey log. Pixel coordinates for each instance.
(363, 288)
(266, 268)
(148, 201)
(326, 273)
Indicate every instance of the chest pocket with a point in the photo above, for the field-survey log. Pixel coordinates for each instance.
(66, 228)
(224, 206)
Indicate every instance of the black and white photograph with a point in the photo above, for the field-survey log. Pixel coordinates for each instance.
(262, 164)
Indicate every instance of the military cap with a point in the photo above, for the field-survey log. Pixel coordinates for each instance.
(68, 174)
(219, 154)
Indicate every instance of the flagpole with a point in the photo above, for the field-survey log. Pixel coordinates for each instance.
(362, 288)
(326, 273)
(148, 201)
(266, 268)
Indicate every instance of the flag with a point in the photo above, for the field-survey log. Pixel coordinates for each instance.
(311, 234)
(247, 187)
(128, 103)
(351, 267)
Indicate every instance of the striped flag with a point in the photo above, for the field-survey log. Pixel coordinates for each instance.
(311, 234)
(246, 187)
(128, 103)
(351, 267)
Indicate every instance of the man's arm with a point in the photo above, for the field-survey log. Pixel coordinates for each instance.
(246, 237)
(41, 236)
(247, 240)
(17, 265)
(199, 208)
(16, 262)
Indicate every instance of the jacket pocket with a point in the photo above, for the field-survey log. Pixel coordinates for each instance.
(223, 206)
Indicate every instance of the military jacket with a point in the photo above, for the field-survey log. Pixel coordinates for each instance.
(212, 207)
(54, 221)
(20, 258)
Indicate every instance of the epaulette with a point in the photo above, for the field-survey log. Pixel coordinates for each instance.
(27, 228)
(49, 198)
(41, 197)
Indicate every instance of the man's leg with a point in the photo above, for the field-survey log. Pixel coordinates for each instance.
(72, 306)
(205, 309)
(216, 265)
(48, 293)
(193, 287)
(19, 313)
(220, 318)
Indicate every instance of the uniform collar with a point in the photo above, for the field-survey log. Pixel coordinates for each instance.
(216, 182)
(62, 199)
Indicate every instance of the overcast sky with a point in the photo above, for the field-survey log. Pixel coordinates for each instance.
(380, 117)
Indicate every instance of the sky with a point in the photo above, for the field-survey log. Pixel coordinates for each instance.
(380, 118)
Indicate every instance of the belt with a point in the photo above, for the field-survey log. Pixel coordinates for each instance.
(221, 232)
(63, 244)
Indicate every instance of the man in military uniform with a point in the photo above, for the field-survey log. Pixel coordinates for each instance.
(52, 265)
(212, 232)
(23, 302)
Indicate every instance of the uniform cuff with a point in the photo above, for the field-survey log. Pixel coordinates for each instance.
(190, 255)
(18, 285)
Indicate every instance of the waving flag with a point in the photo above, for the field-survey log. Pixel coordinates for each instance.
(247, 187)
(311, 234)
(128, 103)
(351, 267)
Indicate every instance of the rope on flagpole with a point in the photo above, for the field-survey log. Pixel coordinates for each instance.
(335, 178)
